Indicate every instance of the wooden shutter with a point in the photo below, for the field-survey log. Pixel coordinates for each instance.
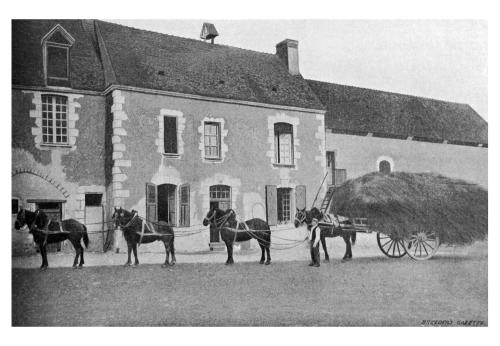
(272, 205)
(184, 219)
(151, 202)
(300, 197)
(170, 135)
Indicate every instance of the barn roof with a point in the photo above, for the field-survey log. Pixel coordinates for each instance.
(359, 111)
(106, 53)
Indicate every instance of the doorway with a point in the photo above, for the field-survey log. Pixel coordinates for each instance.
(220, 197)
(167, 203)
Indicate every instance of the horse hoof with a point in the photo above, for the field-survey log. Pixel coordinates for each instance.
(261, 262)
(268, 263)
(173, 263)
(74, 266)
(43, 269)
(127, 264)
(164, 265)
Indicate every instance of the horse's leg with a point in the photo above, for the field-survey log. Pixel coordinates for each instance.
(42, 249)
(135, 254)
(129, 250)
(268, 251)
(263, 256)
(323, 244)
(77, 253)
(229, 247)
(172, 249)
(347, 248)
(82, 262)
(167, 250)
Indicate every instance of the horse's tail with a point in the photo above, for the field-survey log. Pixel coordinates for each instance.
(85, 237)
(353, 238)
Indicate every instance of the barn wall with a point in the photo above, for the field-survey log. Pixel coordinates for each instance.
(68, 172)
(247, 149)
(359, 156)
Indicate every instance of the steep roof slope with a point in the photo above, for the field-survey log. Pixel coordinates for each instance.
(86, 70)
(365, 110)
(152, 60)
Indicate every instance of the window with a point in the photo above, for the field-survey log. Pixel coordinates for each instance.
(220, 196)
(93, 199)
(283, 140)
(170, 135)
(212, 140)
(284, 206)
(15, 205)
(56, 52)
(57, 62)
(54, 119)
(384, 167)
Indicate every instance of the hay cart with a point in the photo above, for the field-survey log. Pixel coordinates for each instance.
(419, 246)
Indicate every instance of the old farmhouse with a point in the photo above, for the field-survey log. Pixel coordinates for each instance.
(104, 115)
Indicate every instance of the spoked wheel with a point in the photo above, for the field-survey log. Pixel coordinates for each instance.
(391, 247)
(422, 245)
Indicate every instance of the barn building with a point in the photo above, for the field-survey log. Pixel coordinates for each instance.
(105, 115)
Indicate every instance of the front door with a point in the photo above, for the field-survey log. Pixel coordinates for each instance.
(220, 197)
(94, 221)
(167, 203)
(54, 212)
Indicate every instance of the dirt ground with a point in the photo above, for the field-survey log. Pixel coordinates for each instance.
(370, 290)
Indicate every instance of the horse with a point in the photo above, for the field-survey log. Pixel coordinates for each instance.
(46, 231)
(332, 229)
(232, 231)
(137, 231)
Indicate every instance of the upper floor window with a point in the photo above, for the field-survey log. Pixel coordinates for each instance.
(283, 140)
(54, 119)
(56, 52)
(170, 135)
(212, 140)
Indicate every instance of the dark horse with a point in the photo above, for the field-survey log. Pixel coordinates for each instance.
(137, 231)
(231, 230)
(46, 231)
(329, 229)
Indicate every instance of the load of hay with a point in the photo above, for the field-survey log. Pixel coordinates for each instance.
(403, 203)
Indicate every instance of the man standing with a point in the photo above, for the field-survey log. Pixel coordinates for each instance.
(314, 236)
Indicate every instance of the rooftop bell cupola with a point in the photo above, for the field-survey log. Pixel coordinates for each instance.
(208, 32)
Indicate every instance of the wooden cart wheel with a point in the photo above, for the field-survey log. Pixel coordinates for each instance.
(390, 246)
(422, 245)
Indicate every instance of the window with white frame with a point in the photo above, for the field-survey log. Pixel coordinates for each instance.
(54, 119)
(283, 140)
(212, 140)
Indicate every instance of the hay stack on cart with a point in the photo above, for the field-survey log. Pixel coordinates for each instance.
(415, 211)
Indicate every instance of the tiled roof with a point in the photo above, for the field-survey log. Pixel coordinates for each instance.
(86, 70)
(152, 60)
(359, 110)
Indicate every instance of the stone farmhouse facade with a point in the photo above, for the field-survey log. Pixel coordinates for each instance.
(106, 116)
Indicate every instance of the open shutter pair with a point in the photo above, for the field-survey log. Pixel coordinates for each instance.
(152, 204)
(272, 202)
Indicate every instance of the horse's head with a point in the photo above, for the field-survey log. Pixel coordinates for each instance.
(300, 217)
(21, 222)
(210, 217)
(122, 217)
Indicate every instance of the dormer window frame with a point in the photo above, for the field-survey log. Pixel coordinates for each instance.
(47, 43)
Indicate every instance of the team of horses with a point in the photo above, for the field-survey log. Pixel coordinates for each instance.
(136, 230)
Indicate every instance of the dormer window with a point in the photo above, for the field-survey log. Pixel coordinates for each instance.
(56, 52)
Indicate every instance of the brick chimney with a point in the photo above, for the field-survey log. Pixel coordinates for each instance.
(288, 51)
